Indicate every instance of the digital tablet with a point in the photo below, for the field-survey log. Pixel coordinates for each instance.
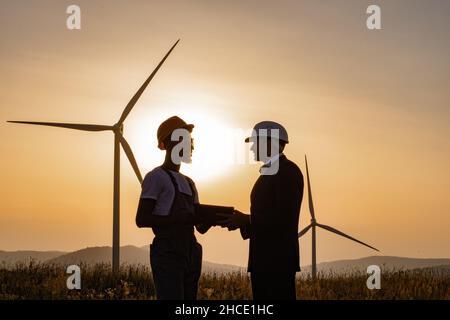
(209, 213)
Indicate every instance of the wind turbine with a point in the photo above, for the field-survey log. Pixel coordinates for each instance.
(315, 224)
(119, 140)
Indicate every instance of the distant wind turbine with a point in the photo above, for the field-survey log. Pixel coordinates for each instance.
(119, 139)
(314, 224)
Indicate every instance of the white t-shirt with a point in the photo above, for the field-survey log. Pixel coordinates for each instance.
(158, 186)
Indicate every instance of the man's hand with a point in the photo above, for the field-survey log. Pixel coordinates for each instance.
(235, 221)
(202, 228)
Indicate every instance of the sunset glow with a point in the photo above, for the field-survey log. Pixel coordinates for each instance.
(369, 108)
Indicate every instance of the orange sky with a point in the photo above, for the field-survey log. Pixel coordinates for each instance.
(370, 108)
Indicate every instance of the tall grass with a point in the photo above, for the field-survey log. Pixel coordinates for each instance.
(43, 281)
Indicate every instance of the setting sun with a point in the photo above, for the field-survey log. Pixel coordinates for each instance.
(217, 145)
(212, 148)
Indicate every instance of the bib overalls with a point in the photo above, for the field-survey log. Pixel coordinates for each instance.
(175, 254)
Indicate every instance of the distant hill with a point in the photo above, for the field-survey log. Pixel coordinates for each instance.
(140, 255)
(384, 262)
(12, 257)
(130, 255)
(93, 255)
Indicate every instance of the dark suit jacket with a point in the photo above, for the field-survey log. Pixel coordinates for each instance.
(273, 230)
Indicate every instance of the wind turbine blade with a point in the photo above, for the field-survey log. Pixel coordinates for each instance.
(129, 153)
(137, 95)
(310, 200)
(76, 126)
(301, 233)
(344, 235)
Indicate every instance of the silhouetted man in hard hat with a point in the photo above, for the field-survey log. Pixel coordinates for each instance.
(169, 204)
(272, 225)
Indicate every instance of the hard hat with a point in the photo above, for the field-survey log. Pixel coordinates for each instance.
(263, 129)
(168, 126)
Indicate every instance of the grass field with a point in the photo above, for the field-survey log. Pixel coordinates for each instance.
(41, 281)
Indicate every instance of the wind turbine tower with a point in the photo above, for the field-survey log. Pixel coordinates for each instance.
(119, 140)
(315, 224)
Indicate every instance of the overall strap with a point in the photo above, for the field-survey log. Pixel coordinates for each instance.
(172, 178)
(177, 191)
(175, 184)
(191, 186)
